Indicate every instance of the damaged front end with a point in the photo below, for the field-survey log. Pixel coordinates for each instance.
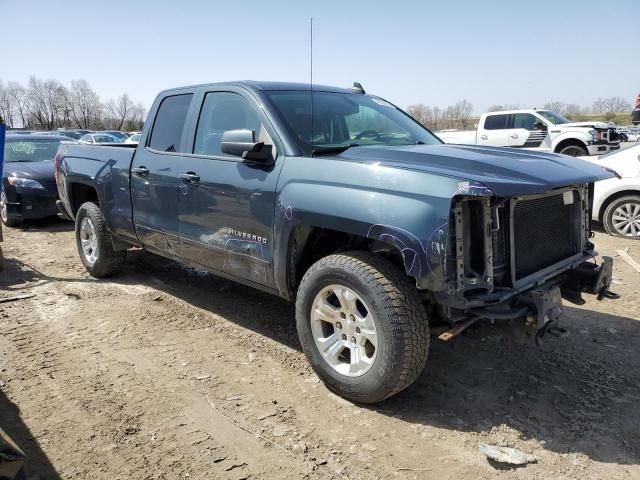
(515, 258)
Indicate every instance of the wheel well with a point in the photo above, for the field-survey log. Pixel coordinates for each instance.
(310, 244)
(613, 198)
(81, 193)
(570, 142)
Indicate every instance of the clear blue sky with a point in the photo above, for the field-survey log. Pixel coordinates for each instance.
(525, 52)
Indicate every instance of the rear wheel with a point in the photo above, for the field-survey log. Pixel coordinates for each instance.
(622, 217)
(94, 243)
(362, 326)
(574, 151)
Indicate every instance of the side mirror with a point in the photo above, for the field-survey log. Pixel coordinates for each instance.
(242, 143)
(539, 126)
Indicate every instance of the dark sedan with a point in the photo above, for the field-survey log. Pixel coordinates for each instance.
(28, 184)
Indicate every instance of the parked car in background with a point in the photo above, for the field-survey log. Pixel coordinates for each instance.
(133, 133)
(99, 138)
(538, 130)
(28, 183)
(616, 201)
(633, 135)
(135, 138)
(353, 210)
(116, 133)
(75, 133)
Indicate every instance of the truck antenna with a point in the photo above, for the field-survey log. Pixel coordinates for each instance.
(311, 74)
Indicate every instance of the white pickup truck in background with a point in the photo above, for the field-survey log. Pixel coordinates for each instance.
(537, 130)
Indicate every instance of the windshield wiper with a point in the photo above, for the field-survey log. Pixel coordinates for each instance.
(329, 150)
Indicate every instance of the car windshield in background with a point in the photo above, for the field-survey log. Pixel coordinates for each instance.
(107, 139)
(344, 120)
(553, 117)
(27, 150)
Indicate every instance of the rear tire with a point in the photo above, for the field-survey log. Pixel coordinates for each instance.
(389, 311)
(94, 243)
(574, 151)
(622, 217)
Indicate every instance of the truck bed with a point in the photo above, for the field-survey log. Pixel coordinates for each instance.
(466, 137)
(104, 167)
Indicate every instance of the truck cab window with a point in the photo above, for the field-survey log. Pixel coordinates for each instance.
(221, 112)
(524, 120)
(496, 122)
(169, 124)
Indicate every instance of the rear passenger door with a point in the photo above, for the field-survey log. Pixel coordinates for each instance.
(226, 204)
(154, 176)
(495, 132)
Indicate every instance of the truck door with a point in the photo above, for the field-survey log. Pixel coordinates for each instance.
(225, 204)
(526, 132)
(494, 132)
(154, 170)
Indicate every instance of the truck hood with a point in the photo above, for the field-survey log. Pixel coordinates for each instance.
(600, 125)
(505, 171)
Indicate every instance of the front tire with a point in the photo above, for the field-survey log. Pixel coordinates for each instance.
(94, 243)
(622, 217)
(574, 151)
(4, 213)
(362, 326)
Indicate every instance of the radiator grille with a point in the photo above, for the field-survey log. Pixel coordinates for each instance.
(545, 232)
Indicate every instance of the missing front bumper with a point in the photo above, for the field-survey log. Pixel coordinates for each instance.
(540, 309)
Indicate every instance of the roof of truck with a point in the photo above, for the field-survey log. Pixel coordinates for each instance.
(269, 86)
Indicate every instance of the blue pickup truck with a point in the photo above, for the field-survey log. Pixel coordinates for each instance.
(341, 202)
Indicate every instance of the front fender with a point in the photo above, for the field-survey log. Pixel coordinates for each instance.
(579, 135)
(405, 209)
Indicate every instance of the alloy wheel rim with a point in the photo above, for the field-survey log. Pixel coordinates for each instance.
(626, 219)
(344, 330)
(89, 240)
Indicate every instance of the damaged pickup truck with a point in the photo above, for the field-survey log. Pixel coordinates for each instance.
(341, 202)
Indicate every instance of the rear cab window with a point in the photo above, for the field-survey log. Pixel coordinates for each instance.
(496, 122)
(169, 123)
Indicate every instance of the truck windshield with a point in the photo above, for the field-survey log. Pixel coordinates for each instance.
(346, 120)
(553, 117)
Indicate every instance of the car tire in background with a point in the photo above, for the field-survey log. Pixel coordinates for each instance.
(574, 151)
(362, 326)
(94, 243)
(622, 217)
(9, 222)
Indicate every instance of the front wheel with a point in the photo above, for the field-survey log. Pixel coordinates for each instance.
(4, 213)
(362, 326)
(622, 217)
(574, 151)
(94, 243)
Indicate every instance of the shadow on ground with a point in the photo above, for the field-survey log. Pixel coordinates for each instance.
(37, 465)
(579, 393)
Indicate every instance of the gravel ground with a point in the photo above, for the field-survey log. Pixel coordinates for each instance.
(165, 372)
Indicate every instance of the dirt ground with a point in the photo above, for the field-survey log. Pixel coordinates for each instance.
(165, 372)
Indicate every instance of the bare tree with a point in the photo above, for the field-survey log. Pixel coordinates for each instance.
(573, 111)
(617, 104)
(19, 99)
(6, 105)
(558, 107)
(46, 99)
(463, 110)
(420, 112)
(120, 110)
(501, 108)
(84, 104)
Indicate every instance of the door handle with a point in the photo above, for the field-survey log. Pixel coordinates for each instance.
(514, 136)
(189, 177)
(483, 137)
(141, 171)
